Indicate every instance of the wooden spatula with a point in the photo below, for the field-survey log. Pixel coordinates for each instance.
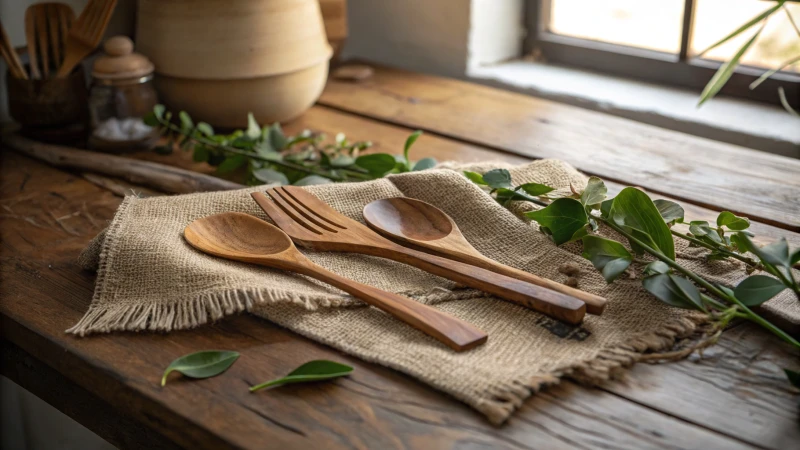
(46, 29)
(10, 55)
(86, 33)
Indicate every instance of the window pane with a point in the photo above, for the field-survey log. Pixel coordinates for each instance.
(650, 24)
(715, 19)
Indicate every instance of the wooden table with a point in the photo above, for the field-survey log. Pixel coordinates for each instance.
(734, 396)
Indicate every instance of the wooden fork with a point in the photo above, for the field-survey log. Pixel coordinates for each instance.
(313, 224)
(46, 29)
(85, 34)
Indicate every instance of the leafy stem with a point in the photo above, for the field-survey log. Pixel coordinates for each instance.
(719, 248)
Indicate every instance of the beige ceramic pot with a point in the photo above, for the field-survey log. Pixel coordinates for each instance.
(231, 39)
(225, 103)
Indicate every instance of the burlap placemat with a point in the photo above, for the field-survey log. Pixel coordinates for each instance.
(149, 278)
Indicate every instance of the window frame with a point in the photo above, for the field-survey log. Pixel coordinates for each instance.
(649, 65)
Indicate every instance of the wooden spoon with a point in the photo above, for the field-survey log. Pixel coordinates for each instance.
(430, 229)
(245, 238)
(85, 34)
(46, 28)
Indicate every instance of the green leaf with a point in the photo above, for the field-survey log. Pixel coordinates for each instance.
(276, 137)
(377, 164)
(200, 153)
(742, 28)
(670, 211)
(253, 131)
(794, 377)
(795, 258)
(186, 121)
(605, 208)
(270, 176)
(409, 142)
(159, 110)
(609, 257)
(725, 71)
(701, 229)
(772, 72)
(311, 371)
(504, 195)
(655, 268)
(534, 189)
(776, 254)
(204, 364)
(732, 221)
(205, 128)
(562, 218)
(756, 289)
(674, 290)
(342, 161)
(311, 180)
(475, 177)
(231, 163)
(498, 178)
(265, 150)
(151, 120)
(424, 163)
(595, 192)
(633, 209)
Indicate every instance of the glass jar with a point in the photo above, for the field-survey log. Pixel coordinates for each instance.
(122, 93)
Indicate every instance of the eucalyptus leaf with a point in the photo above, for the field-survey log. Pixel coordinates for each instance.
(205, 128)
(253, 131)
(756, 289)
(186, 121)
(377, 164)
(498, 178)
(504, 195)
(312, 180)
(595, 192)
(610, 257)
(633, 209)
(701, 229)
(311, 371)
(732, 221)
(534, 189)
(655, 268)
(270, 176)
(159, 110)
(775, 254)
(424, 163)
(674, 290)
(342, 161)
(231, 163)
(562, 218)
(276, 137)
(203, 364)
(475, 177)
(670, 211)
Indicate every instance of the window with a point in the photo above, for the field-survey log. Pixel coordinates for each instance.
(658, 40)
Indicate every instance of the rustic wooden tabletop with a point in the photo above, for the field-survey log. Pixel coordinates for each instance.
(733, 396)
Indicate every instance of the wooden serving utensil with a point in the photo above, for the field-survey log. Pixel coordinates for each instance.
(245, 238)
(311, 223)
(10, 55)
(85, 34)
(430, 229)
(46, 29)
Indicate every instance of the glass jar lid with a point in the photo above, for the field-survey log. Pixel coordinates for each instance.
(120, 62)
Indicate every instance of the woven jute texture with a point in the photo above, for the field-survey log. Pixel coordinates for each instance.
(149, 278)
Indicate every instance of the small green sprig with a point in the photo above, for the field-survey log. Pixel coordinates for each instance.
(646, 224)
(269, 156)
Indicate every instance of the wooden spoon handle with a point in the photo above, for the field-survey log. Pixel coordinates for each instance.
(555, 304)
(453, 332)
(594, 303)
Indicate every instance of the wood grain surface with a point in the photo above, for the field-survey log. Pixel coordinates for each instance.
(734, 396)
(712, 174)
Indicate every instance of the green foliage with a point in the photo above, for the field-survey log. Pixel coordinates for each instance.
(563, 219)
(475, 177)
(674, 290)
(594, 193)
(534, 189)
(264, 151)
(633, 210)
(756, 289)
(608, 256)
(204, 364)
(498, 179)
(655, 268)
(794, 377)
(732, 221)
(311, 371)
(671, 212)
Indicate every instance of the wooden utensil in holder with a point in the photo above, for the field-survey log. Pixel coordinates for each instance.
(46, 29)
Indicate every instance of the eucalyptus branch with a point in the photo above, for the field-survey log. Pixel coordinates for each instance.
(749, 261)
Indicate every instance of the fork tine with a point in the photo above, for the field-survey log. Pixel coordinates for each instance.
(285, 199)
(290, 211)
(281, 218)
(314, 205)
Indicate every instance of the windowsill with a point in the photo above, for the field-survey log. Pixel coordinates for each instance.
(741, 122)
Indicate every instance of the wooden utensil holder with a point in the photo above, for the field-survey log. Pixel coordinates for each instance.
(46, 105)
